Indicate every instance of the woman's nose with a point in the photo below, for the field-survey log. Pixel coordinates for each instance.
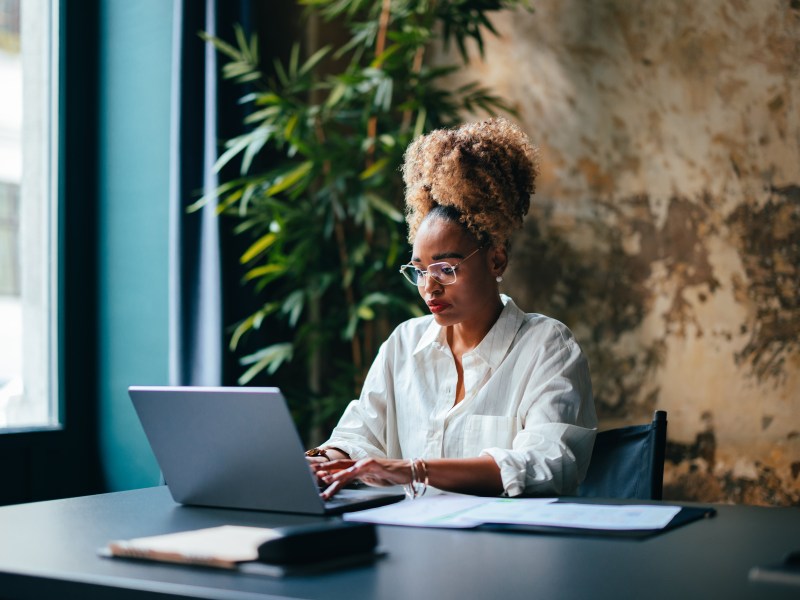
(429, 284)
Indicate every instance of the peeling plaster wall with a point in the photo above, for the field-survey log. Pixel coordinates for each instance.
(666, 226)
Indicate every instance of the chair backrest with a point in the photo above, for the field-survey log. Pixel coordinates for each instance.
(628, 462)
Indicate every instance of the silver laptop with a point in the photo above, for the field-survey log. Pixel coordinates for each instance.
(237, 448)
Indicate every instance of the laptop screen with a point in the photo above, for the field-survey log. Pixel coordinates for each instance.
(235, 447)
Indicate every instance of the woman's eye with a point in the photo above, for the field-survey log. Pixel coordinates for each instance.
(418, 272)
(448, 270)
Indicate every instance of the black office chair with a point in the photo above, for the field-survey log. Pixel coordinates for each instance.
(628, 462)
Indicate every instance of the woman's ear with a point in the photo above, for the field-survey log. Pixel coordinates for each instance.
(498, 260)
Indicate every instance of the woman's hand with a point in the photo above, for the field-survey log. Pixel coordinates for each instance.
(373, 471)
(317, 457)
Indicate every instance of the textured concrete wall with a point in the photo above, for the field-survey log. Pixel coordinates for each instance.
(666, 228)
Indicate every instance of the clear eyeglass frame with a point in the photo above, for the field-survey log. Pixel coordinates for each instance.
(443, 273)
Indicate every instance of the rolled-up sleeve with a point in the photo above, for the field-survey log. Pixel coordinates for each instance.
(550, 453)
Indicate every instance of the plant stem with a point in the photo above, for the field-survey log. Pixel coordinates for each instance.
(355, 343)
(341, 246)
(383, 27)
(416, 67)
(380, 45)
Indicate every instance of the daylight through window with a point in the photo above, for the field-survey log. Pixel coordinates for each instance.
(28, 382)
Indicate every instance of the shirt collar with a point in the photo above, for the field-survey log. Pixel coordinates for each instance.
(433, 337)
(494, 346)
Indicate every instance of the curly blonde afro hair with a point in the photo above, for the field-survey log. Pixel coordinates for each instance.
(485, 171)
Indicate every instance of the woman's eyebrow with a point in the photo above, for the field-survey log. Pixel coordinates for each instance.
(441, 256)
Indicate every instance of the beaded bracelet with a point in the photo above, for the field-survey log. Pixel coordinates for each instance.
(323, 452)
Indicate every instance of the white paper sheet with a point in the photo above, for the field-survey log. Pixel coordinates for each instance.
(442, 510)
(583, 516)
(455, 510)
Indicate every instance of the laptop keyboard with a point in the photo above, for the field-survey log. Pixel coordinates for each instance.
(347, 497)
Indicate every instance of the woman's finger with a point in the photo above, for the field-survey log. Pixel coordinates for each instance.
(332, 465)
(336, 480)
(329, 492)
(338, 473)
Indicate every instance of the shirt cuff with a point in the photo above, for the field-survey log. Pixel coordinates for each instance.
(511, 471)
(354, 452)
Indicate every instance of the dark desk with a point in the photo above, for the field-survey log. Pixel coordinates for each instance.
(48, 550)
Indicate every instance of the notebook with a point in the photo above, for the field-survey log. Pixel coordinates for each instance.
(237, 448)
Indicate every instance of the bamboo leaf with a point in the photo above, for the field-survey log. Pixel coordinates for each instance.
(240, 330)
(252, 322)
(376, 298)
(281, 73)
(270, 358)
(238, 145)
(263, 115)
(336, 94)
(241, 38)
(419, 126)
(213, 195)
(268, 98)
(290, 125)
(260, 245)
(313, 61)
(221, 45)
(293, 306)
(230, 200)
(294, 58)
(244, 203)
(262, 271)
(252, 76)
(383, 94)
(386, 54)
(374, 168)
(365, 312)
(253, 149)
(350, 330)
(254, 48)
(291, 178)
(384, 207)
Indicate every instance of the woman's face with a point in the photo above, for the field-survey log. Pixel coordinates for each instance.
(474, 295)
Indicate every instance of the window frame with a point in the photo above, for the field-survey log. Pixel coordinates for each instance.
(61, 460)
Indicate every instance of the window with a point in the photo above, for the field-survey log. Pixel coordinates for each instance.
(28, 216)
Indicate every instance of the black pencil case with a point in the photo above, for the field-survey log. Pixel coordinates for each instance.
(314, 542)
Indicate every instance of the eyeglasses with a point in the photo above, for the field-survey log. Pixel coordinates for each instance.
(443, 273)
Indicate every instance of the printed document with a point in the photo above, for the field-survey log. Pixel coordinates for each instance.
(456, 510)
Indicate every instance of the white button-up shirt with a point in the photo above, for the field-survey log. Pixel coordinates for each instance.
(527, 404)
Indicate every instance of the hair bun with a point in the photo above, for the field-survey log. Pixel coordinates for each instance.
(486, 171)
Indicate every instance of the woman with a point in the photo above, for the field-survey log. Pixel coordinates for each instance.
(477, 397)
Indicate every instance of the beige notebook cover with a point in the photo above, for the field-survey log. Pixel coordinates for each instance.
(223, 546)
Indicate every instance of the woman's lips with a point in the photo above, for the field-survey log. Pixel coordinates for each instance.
(437, 307)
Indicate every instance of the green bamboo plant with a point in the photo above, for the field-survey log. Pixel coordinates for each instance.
(319, 188)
